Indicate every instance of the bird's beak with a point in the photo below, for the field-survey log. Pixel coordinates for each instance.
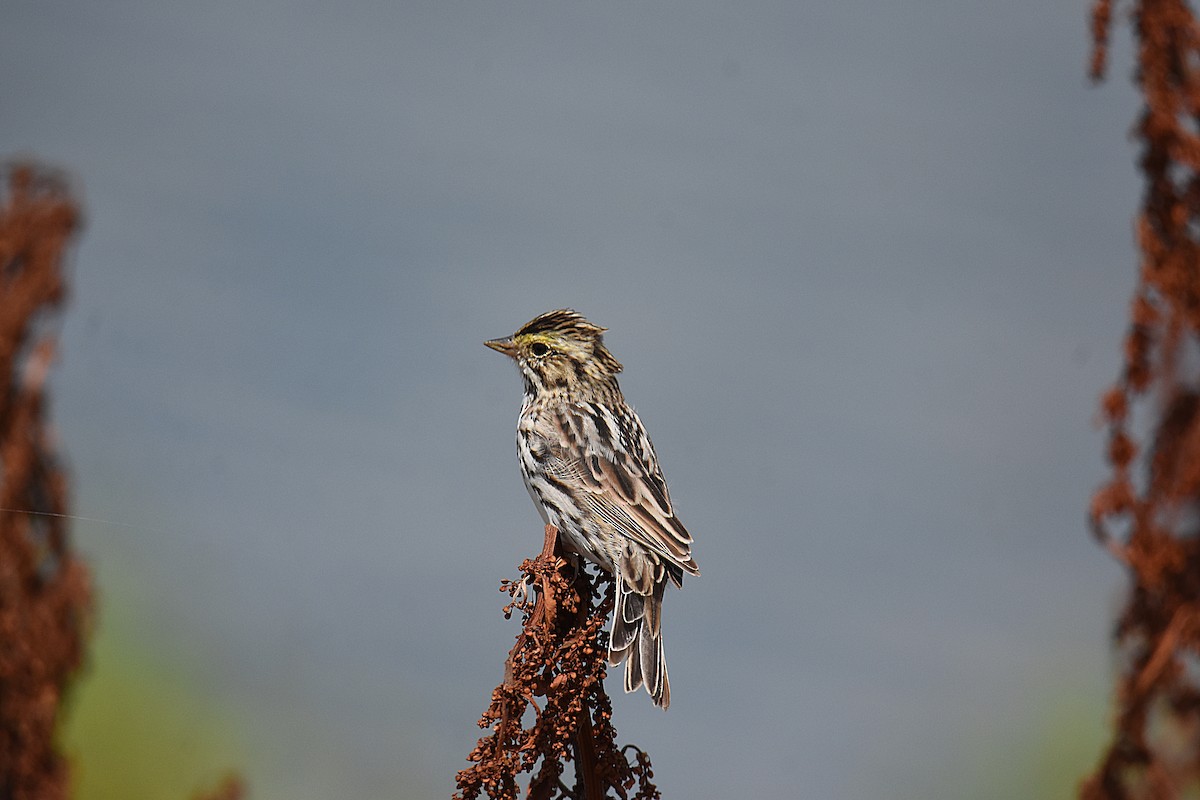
(505, 345)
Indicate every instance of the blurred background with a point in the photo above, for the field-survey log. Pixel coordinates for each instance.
(867, 266)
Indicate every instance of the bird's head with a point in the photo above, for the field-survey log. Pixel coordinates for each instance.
(560, 351)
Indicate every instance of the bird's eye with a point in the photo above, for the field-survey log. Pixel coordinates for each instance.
(539, 349)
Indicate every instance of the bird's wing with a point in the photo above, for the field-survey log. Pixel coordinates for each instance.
(610, 458)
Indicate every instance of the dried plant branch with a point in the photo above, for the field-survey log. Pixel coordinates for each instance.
(1148, 514)
(45, 593)
(559, 656)
(231, 787)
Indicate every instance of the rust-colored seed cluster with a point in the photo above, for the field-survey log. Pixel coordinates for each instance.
(1151, 521)
(45, 596)
(560, 656)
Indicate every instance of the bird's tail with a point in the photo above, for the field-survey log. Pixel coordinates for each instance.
(637, 638)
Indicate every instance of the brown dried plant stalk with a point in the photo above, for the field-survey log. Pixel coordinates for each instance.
(45, 595)
(560, 657)
(1150, 521)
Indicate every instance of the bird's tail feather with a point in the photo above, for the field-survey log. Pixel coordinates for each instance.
(636, 638)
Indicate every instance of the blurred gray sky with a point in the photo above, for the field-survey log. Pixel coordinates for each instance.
(866, 264)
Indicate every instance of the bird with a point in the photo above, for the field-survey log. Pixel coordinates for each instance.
(592, 473)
